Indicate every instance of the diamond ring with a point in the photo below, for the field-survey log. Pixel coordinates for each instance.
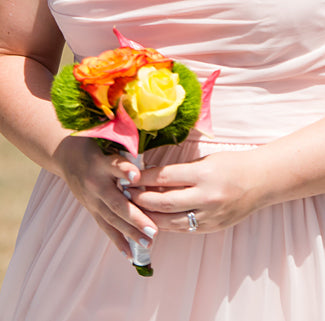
(193, 224)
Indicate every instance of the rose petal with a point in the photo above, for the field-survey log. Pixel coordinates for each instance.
(99, 95)
(204, 123)
(121, 130)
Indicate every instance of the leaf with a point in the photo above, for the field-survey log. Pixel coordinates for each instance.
(144, 270)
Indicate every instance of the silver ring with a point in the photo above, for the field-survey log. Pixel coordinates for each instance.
(193, 224)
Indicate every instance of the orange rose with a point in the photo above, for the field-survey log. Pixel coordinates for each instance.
(104, 77)
(102, 70)
(156, 59)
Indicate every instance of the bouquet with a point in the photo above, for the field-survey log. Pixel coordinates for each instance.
(132, 99)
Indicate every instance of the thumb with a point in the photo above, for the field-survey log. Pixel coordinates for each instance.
(124, 169)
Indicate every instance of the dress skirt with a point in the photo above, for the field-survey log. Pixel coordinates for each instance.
(269, 267)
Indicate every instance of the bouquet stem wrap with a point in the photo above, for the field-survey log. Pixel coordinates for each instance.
(141, 256)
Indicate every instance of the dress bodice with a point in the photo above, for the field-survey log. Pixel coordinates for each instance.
(271, 53)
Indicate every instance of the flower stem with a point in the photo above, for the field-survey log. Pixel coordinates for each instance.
(142, 141)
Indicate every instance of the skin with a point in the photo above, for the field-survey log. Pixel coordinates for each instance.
(223, 188)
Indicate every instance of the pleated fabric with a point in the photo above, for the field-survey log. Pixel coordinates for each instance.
(269, 267)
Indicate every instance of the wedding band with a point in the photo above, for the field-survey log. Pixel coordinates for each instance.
(193, 224)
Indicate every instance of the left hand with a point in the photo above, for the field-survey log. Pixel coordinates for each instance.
(221, 188)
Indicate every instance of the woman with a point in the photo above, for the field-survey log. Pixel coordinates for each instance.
(255, 192)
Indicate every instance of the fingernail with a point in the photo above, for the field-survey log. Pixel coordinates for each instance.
(124, 181)
(124, 253)
(127, 194)
(144, 243)
(131, 176)
(149, 231)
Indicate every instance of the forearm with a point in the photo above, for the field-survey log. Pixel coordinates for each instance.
(292, 167)
(27, 117)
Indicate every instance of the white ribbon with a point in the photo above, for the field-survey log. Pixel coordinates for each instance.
(141, 255)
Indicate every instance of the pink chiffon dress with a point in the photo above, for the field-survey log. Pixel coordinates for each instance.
(269, 267)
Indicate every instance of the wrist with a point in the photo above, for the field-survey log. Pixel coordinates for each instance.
(257, 192)
(280, 175)
(257, 180)
(74, 152)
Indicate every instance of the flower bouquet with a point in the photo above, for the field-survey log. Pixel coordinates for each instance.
(132, 99)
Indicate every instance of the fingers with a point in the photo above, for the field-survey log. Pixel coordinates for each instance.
(179, 222)
(171, 175)
(120, 167)
(118, 203)
(117, 237)
(170, 201)
(111, 209)
(126, 217)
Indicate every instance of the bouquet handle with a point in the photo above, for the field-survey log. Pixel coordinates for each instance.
(141, 256)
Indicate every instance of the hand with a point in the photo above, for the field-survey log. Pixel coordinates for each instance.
(221, 189)
(92, 177)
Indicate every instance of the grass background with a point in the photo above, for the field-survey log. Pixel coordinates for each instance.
(17, 178)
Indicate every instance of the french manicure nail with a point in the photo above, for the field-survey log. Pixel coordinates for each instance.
(127, 194)
(149, 231)
(144, 243)
(124, 253)
(131, 176)
(124, 181)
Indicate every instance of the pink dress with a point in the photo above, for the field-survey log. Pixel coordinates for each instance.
(270, 267)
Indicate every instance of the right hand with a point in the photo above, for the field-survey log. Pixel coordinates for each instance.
(92, 178)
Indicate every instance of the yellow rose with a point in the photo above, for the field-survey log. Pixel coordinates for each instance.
(153, 98)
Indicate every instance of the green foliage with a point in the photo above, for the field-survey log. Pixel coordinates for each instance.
(187, 114)
(74, 107)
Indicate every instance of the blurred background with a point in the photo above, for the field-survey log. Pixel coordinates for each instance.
(18, 175)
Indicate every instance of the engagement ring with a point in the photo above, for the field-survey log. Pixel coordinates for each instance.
(193, 224)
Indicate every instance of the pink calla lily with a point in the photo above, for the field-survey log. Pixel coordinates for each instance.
(204, 123)
(125, 42)
(121, 130)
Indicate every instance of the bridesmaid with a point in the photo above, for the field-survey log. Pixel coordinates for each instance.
(236, 224)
